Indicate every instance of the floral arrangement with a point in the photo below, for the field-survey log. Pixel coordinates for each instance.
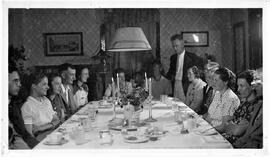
(136, 98)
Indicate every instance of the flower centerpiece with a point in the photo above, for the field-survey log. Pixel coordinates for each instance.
(136, 98)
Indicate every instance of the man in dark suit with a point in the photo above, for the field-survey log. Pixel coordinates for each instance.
(68, 74)
(180, 62)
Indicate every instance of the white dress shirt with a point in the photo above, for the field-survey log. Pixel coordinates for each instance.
(180, 64)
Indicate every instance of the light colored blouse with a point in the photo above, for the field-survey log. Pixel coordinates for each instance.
(37, 112)
(194, 97)
(223, 105)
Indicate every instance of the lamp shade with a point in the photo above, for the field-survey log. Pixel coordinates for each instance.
(129, 39)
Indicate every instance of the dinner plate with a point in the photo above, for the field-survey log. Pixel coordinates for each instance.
(50, 143)
(135, 139)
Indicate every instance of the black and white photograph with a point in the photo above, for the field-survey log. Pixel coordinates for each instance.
(116, 78)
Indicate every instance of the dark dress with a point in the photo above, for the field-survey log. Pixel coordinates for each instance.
(243, 112)
(253, 137)
(58, 104)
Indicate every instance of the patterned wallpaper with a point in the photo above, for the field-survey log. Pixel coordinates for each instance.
(35, 22)
(216, 21)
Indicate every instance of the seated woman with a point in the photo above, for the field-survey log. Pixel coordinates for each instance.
(37, 112)
(194, 97)
(225, 101)
(80, 88)
(160, 84)
(125, 87)
(242, 116)
(208, 91)
(59, 105)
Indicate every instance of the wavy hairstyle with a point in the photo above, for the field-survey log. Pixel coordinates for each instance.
(228, 76)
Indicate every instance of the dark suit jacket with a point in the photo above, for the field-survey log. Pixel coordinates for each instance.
(253, 137)
(16, 119)
(70, 104)
(190, 59)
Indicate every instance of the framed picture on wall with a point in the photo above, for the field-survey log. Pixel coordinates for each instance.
(63, 44)
(196, 39)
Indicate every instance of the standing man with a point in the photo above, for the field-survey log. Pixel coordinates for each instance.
(68, 74)
(19, 138)
(180, 62)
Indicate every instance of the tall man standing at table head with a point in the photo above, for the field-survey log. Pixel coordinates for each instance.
(180, 62)
(68, 74)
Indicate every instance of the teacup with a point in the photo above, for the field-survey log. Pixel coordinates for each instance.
(55, 137)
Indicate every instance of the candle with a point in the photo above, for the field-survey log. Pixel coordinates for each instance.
(118, 86)
(146, 82)
(150, 86)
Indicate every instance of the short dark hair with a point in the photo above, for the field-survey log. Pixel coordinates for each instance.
(196, 71)
(248, 75)
(65, 66)
(176, 36)
(11, 69)
(227, 75)
(158, 63)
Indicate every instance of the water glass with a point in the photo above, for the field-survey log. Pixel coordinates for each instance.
(163, 98)
(79, 136)
(86, 124)
(92, 113)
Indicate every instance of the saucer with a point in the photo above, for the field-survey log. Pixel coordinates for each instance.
(135, 139)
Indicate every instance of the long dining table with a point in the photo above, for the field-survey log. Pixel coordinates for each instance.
(162, 112)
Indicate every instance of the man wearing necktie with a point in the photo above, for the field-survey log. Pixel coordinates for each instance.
(180, 62)
(68, 74)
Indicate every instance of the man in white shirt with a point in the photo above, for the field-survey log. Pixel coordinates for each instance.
(68, 74)
(180, 62)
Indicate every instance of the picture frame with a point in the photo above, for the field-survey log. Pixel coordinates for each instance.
(196, 38)
(63, 44)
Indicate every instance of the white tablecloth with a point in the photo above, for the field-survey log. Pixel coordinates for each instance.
(164, 115)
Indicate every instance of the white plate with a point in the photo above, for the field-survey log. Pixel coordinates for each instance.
(135, 139)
